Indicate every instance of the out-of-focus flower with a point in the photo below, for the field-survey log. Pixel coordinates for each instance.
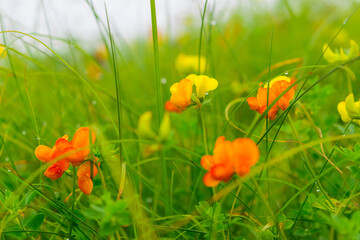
(101, 53)
(229, 158)
(144, 126)
(3, 51)
(276, 87)
(93, 71)
(340, 55)
(84, 174)
(189, 63)
(349, 109)
(65, 152)
(184, 95)
(145, 131)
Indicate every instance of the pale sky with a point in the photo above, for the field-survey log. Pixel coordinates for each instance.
(130, 17)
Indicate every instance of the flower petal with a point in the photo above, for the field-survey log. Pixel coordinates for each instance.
(207, 162)
(85, 170)
(209, 181)
(222, 171)
(53, 172)
(85, 184)
(43, 152)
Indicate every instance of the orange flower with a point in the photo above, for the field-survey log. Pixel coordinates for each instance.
(277, 86)
(180, 96)
(183, 94)
(65, 152)
(85, 182)
(229, 158)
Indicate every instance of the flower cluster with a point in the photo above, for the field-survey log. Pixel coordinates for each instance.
(276, 87)
(183, 94)
(340, 55)
(229, 158)
(75, 152)
(349, 109)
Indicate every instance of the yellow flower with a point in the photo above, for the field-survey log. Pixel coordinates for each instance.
(349, 109)
(182, 93)
(101, 53)
(203, 84)
(189, 63)
(3, 52)
(341, 56)
(144, 126)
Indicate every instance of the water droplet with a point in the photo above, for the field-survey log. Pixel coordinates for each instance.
(38, 138)
(149, 200)
(93, 102)
(206, 93)
(23, 132)
(213, 22)
(163, 81)
(9, 170)
(6, 159)
(45, 123)
(286, 73)
(318, 190)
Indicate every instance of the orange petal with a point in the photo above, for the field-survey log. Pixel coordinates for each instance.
(209, 181)
(222, 172)
(85, 184)
(222, 151)
(246, 154)
(207, 162)
(171, 107)
(253, 103)
(85, 170)
(42, 152)
(54, 172)
(82, 137)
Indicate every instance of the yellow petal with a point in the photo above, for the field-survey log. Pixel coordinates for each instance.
(343, 113)
(204, 84)
(165, 127)
(354, 49)
(173, 88)
(352, 108)
(278, 79)
(144, 126)
(329, 55)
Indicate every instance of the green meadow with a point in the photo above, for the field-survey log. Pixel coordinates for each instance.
(98, 143)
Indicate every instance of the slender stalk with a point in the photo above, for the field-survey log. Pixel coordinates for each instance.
(156, 61)
(159, 97)
(203, 128)
(201, 32)
(73, 201)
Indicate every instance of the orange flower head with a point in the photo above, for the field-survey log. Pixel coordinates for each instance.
(181, 94)
(85, 182)
(276, 87)
(229, 158)
(65, 152)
